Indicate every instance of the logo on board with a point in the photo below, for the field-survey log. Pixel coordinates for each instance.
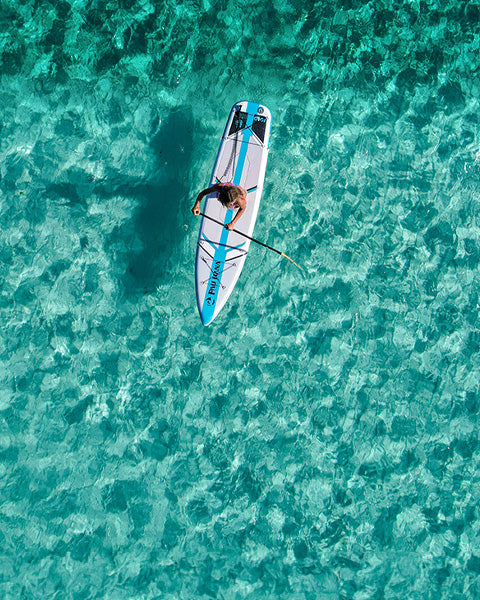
(213, 284)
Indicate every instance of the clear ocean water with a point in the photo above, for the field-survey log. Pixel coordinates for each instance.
(320, 439)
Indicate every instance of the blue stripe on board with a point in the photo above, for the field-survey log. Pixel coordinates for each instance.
(215, 245)
(220, 255)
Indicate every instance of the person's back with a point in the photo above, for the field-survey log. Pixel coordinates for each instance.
(229, 195)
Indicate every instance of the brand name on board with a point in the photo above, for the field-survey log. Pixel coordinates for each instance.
(212, 290)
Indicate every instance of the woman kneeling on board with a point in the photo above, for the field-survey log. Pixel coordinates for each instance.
(231, 196)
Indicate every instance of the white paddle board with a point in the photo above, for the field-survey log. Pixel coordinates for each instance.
(241, 160)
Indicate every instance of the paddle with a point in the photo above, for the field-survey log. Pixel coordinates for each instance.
(253, 240)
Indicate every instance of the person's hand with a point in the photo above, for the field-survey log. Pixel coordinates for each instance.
(229, 226)
(196, 210)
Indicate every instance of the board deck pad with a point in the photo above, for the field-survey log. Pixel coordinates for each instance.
(241, 160)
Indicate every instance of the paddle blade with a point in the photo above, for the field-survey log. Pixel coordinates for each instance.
(291, 260)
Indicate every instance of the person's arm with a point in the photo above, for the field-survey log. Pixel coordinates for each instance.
(210, 190)
(243, 207)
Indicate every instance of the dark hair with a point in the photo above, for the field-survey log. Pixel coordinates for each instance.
(229, 193)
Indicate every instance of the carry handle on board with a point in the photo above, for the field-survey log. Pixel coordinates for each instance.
(254, 240)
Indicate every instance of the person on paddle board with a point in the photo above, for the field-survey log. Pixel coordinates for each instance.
(229, 195)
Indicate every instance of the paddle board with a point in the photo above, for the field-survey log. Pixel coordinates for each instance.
(241, 160)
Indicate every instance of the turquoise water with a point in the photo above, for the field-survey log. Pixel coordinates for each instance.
(320, 439)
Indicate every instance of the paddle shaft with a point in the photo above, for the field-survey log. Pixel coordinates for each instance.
(252, 239)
